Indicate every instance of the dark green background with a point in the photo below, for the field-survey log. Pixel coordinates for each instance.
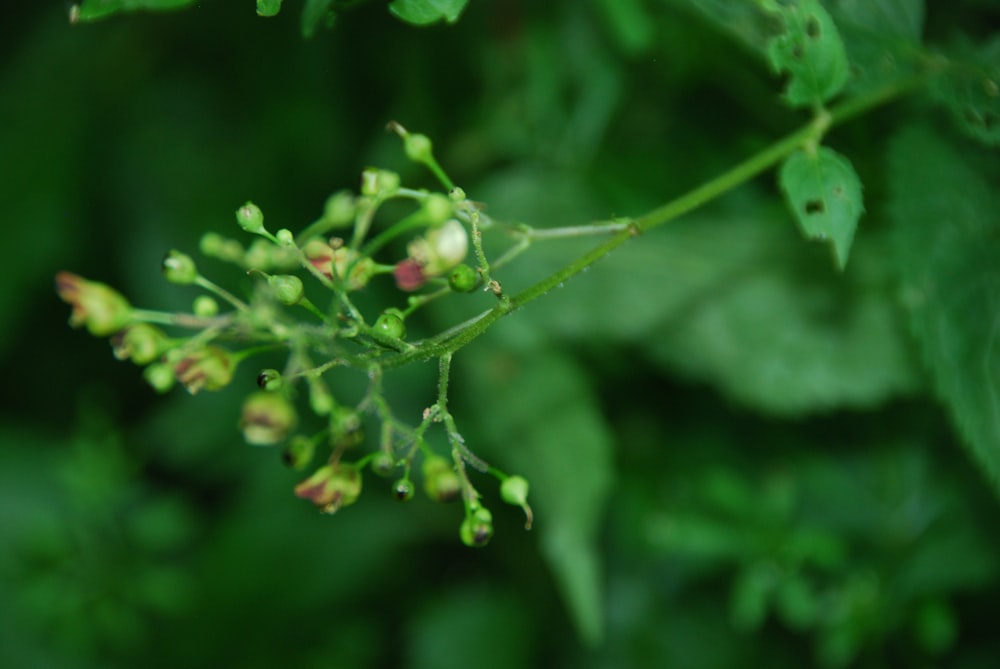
(675, 408)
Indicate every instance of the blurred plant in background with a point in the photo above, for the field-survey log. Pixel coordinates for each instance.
(737, 454)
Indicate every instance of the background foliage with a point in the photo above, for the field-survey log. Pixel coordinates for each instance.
(739, 456)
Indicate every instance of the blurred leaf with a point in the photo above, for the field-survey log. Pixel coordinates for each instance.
(630, 23)
(809, 50)
(970, 89)
(947, 244)
(90, 10)
(888, 19)
(268, 7)
(425, 12)
(824, 193)
(551, 431)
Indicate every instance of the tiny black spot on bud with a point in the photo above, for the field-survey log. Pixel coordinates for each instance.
(262, 380)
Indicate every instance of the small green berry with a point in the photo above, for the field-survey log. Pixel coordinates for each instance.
(270, 379)
(339, 209)
(285, 237)
(250, 218)
(438, 209)
(383, 463)
(390, 324)
(514, 490)
(477, 528)
(418, 148)
(462, 279)
(160, 376)
(205, 306)
(179, 268)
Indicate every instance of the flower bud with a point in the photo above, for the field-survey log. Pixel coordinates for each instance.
(331, 487)
(208, 368)
(409, 275)
(179, 268)
(438, 209)
(339, 210)
(214, 245)
(456, 194)
(340, 263)
(267, 418)
(250, 218)
(477, 528)
(441, 483)
(141, 342)
(346, 428)
(441, 249)
(383, 463)
(462, 279)
(299, 452)
(379, 183)
(270, 379)
(205, 306)
(418, 148)
(390, 324)
(97, 306)
(402, 490)
(514, 490)
(287, 288)
(160, 376)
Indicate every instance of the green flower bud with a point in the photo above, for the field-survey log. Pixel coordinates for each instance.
(299, 452)
(438, 209)
(463, 279)
(390, 324)
(339, 209)
(267, 418)
(418, 148)
(142, 342)
(179, 268)
(379, 183)
(205, 306)
(403, 490)
(285, 237)
(270, 380)
(320, 400)
(331, 487)
(160, 376)
(477, 528)
(514, 490)
(383, 463)
(250, 218)
(214, 245)
(456, 194)
(209, 368)
(287, 288)
(97, 306)
(441, 483)
(346, 427)
(441, 249)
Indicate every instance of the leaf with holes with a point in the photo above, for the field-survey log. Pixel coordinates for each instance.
(425, 12)
(824, 193)
(971, 91)
(809, 50)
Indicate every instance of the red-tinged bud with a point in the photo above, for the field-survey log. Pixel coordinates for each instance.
(409, 275)
(210, 368)
(267, 418)
(340, 263)
(142, 342)
(331, 487)
(95, 305)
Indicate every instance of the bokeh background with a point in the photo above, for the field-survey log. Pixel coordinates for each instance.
(735, 457)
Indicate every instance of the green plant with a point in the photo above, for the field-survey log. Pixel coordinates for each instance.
(935, 234)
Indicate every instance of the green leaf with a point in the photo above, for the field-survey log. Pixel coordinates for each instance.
(425, 12)
(947, 244)
(91, 10)
(317, 14)
(809, 50)
(970, 90)
(268, 7)
(824, 193)
(551, 430)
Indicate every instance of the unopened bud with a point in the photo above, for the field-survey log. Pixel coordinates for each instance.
(179, 268)
(267, 418)
(250, 218)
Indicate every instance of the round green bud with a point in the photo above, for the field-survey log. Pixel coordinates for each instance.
(403, 490)
(179, 268)
(418, 148)
(339, 209)
(160, 376)
(477, 528)
(383, 463)
(141, 342)
(299, 452)
(441, 483)
(346, 427)
(250, 218)
(214, 245)
(463, 279)
(205, 306)
(270, 379)
(514, 490)
(320, 400)
(390, 324)
(456, 194)
(438, 209)
(285, 237)
(287, 288)
(379, 183)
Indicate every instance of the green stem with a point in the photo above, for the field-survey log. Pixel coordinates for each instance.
(812, 132)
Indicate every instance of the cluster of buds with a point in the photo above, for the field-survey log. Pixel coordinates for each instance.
(336, 252)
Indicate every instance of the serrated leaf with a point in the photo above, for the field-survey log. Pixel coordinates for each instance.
(425, 12)
(947, 243)
(91, 10)
(970, 90)
(546, 424)
(809, 50)
(824, 193)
